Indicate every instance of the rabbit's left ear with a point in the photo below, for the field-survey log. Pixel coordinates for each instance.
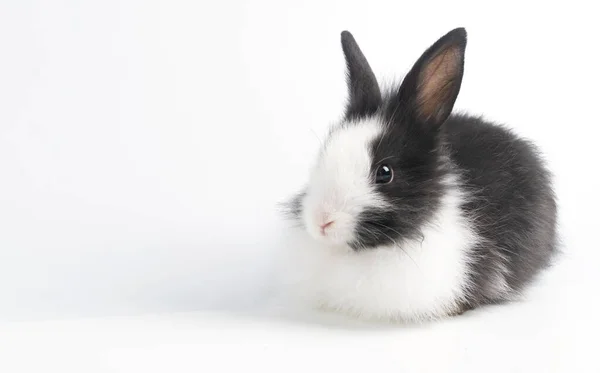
(363, 89)
(430, 89)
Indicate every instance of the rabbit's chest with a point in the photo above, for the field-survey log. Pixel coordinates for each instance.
(414, 280)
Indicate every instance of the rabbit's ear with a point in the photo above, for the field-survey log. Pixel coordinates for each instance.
(364, 93)
(430, 89)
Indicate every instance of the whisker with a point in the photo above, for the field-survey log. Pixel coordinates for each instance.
(317, 136)
(394, 241)
(386, 158)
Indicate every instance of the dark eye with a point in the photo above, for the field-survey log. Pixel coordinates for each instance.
(384, 174)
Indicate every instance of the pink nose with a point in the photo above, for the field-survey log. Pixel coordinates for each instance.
(325, 226)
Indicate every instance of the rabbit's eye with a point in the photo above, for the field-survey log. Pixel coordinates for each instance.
(384, 174)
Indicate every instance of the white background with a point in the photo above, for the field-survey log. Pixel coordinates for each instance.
(144, 146)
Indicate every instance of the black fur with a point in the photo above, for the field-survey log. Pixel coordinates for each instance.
(411, 146)
(509, 192)
(365, 96)
(511, 200)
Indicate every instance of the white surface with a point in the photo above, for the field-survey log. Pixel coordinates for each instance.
(143, 146)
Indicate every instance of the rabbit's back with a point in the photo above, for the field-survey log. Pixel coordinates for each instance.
(511, 204)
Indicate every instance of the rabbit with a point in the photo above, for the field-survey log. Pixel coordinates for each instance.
(412, 212)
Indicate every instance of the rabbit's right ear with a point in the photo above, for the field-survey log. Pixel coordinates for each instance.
(363, 89)
(429, 90)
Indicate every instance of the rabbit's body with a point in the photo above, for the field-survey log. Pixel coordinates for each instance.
(510, 202)
(412, 213)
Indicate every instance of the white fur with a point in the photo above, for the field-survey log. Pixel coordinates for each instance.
(339, 187)
(413, 280)
(497, 287)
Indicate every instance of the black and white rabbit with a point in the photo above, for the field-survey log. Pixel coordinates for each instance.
(414, 213)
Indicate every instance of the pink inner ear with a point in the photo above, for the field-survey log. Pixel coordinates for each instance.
(437, 83)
